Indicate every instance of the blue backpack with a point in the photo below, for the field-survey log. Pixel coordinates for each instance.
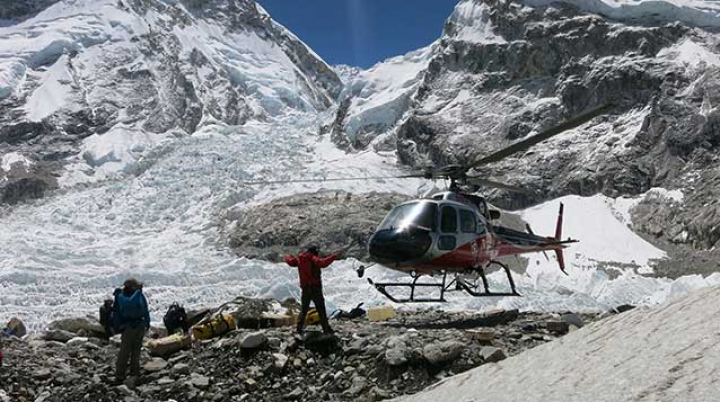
(130, 309)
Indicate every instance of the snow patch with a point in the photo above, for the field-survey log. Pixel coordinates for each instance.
(53, 93)
(118, 149)
(380, 94)
(10, 160)
(471, 23)
(690, 54)
(698, 13)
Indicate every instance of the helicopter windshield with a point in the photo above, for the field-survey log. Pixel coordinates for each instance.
(422, 215)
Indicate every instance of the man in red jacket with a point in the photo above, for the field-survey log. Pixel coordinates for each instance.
(309, 266)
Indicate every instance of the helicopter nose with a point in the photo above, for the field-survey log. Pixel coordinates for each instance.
(393, 246)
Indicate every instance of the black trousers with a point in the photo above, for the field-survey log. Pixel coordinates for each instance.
(313, 294)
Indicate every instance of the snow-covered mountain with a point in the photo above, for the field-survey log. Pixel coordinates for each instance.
(505, 69)
(95, 83)
(146, 115)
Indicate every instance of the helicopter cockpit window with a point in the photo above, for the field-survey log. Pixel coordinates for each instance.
(448, 223)
(468, 222)
(420, 215)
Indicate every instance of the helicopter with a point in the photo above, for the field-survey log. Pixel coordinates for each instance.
(451, 234)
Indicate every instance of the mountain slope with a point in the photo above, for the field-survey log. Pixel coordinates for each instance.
(667, 353)
(112, 78)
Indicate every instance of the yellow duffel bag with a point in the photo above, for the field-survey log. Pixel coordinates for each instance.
(215, 327)
(312, 317)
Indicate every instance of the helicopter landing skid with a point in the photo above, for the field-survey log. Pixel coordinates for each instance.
(457, 284)
(381, 287)
(472, 289)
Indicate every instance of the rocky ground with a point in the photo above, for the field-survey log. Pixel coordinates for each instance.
(365, 361)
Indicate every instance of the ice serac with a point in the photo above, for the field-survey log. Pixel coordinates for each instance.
(503, 70)
(666, 353)
(77, 70)
(374, 100)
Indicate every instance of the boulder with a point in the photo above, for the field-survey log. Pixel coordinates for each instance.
(254, 340)
(557, 327)
(58, 335)
(573, 319)
(442, 352)
(86, 325)
(491, 354)
(16, 327)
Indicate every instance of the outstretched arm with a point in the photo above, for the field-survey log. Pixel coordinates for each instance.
(291, 261)
(324, 262)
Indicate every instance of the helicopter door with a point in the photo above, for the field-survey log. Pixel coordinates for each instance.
(468, 235)
(448, 228)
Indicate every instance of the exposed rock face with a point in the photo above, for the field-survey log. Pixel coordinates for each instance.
(505, 69)
(123, 75)
(332, 220)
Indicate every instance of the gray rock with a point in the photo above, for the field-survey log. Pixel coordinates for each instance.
(491, 354)
(17, 327)
(396, 356)
(156, 364)
(180, 369)
(90, 326)
(573, 319)
(58, 336)
(77, 341)
(254, 340)
(442, 352)
(359, 384)
(557, 327)
(295, 394)
(199, 381)
(280, 361)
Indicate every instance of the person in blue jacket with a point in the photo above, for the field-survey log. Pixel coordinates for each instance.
(131, 318)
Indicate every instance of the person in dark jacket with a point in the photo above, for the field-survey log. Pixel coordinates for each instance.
(131, 319)
(309, 266)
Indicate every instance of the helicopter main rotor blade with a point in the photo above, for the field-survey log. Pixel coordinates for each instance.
(321, 180)
(495, 184)
(540, 137)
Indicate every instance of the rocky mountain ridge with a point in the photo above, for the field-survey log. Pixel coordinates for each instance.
(505, 69)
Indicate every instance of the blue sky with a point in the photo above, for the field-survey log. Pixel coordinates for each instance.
(362, 32)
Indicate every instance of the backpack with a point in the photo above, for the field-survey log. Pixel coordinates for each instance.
(176, 319)
(131, 308)
(107, 311)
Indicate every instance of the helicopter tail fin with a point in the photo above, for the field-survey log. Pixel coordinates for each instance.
(558, 237)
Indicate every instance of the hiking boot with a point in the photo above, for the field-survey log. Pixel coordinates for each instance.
(131, 382)
(117, 382)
